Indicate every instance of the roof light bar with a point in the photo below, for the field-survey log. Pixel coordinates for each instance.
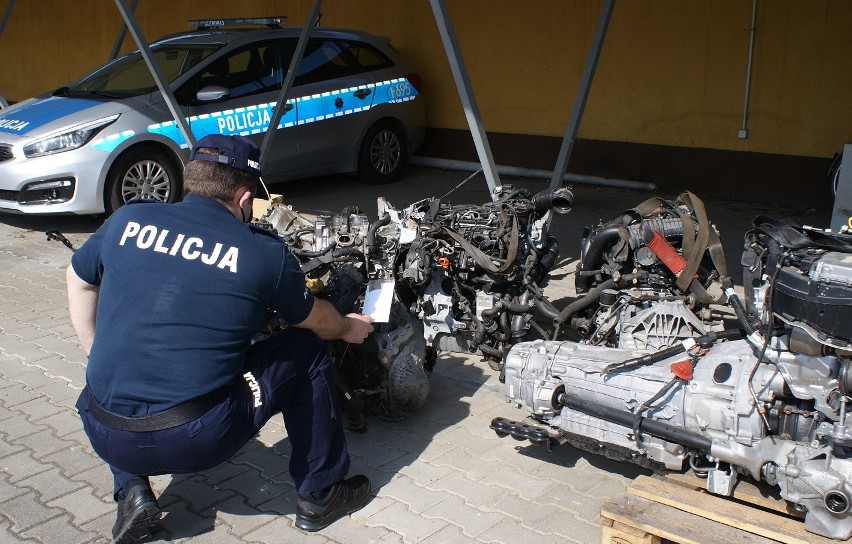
(207, 24)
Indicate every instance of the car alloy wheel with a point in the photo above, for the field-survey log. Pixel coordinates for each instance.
(146, 179)
(385, 152)
(143, 172)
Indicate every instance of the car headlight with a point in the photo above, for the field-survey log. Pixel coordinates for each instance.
(68, 140)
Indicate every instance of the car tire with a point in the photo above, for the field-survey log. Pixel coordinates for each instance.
(142, 172)
(384, 153)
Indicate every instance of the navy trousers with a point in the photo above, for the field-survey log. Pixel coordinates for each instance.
(293, 375)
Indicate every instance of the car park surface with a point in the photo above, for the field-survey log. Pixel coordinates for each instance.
(441, 475)
(355, 107)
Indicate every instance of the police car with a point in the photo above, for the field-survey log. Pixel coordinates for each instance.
(110, 137)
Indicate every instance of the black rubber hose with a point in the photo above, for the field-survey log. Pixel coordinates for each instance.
(704, 341)
(479, 335)
(749, 324)
(345, 252)
(671, 433)
(305, 253)
(593, 257)
(585, 301)
(491, 352)
(560, 200)
(371, 233)
(546, 309)
(502, 322)
(712, 337)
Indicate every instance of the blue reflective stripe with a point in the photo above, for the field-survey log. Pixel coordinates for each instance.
(255, 119)
(394, 91)
(108, 143)
(23, 119)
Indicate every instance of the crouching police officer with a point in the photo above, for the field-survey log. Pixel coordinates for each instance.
(165, 299)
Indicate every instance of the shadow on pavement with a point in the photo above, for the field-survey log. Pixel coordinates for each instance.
(256, 482)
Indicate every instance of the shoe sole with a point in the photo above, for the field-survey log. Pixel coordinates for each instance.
(138, 527)
(315, 525)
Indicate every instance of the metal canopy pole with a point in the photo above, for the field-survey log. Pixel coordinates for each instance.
(582, 94)
(471, 111)
(121, 34)
(166, 91)
(281, 104)
(6, 13)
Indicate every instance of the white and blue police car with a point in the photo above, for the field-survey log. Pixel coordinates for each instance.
(109, 137)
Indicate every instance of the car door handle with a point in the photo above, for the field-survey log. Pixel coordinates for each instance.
(288, 107)
(362, 93)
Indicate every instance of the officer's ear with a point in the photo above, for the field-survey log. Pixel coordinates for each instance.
(244, 196)
(244, 203)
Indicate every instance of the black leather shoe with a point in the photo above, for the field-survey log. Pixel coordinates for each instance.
(345, 497)
(137, 512)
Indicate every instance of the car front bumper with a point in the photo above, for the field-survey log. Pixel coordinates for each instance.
(62, 183)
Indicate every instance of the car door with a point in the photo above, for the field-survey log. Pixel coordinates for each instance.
(235, 93)
(331, 93)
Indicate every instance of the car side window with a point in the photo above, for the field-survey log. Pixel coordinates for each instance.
(251, 70)
(366, 56)
(323, 60)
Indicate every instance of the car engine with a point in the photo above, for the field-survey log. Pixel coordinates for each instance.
(647, 279)
(766, 401)
(465, 279)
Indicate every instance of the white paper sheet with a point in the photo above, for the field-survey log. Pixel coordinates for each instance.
(378, 300)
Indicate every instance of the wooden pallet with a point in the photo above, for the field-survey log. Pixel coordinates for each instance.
(677, 508)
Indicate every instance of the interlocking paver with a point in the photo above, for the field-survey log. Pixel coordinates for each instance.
(425, 473)
(25, 511)
(449, 534)
(37, 380)
(351, 530)
(225, 471)
(195, 491)
(23, 350)
(16, 394)
(271, 464)
(455, 510)
(22, 465)
(50, 485)
(413, 527)
(457, 484)
(63, 372)
(65, 424)
(37, 409)
(282, 530)
(510, 531)
(416, 497)
(98, 479)
(59, 529)
(8, 490)
(82, 505)
(74, 460)
(256, 489)
(240, 517)
(181, 522)
(44, 443)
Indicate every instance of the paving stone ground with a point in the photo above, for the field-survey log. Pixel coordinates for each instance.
(439, 476)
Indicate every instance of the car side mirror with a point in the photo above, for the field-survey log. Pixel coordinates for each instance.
(212, 93)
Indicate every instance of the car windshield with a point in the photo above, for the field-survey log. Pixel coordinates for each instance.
(129, 75)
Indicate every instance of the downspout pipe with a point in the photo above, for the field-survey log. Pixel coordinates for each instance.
(467, 166)
(743, 134)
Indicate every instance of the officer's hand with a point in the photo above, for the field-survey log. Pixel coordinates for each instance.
(358, 326)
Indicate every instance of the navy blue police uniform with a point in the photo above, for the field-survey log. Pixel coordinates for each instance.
(183, 290)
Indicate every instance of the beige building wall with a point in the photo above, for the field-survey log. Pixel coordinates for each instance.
(672, 72)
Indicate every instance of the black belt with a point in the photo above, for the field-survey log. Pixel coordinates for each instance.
(167, 419)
